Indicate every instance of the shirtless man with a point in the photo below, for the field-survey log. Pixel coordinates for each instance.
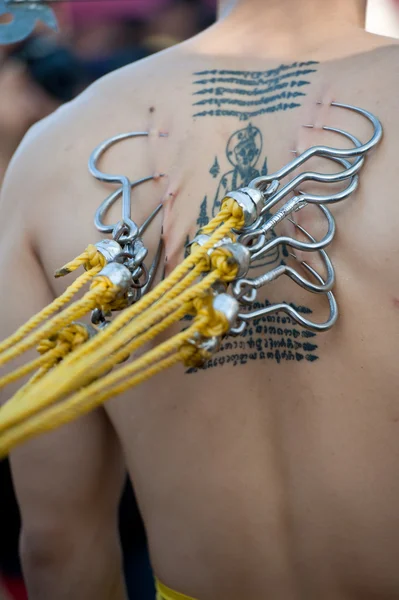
(277, 478)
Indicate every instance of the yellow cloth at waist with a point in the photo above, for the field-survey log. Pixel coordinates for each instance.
(165, 593)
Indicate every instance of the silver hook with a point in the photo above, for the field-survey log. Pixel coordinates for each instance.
(154, 267)
(358, 151)
(111, 199)
(296, 244)
(293, 205)
(126, 224)
(351, 171)
(242, 286)
(244, 318)
(258, 230)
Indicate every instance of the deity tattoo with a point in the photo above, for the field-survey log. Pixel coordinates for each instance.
(273, 337)
(244, 153)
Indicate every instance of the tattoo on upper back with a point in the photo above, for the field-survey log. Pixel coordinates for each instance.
(248, 94)
(273, 337)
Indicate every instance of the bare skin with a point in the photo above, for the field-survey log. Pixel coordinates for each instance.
(267, 480)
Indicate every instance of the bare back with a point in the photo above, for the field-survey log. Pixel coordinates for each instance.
(273, 471)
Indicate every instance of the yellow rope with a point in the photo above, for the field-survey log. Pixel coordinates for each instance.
(25, 370)
(49, 310)
(91, 397)
(52, 351)
(79, 373)
(53, 387)
(91, 258)
(34, 411)
(64, 412)
(81, 362)
(101, 294)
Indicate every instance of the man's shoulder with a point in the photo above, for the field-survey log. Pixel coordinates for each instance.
(58, 146)
(104, 104)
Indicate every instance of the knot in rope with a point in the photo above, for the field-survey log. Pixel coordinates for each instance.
(74, 335)
(215, 324)
(94, 258)
(193, 357)
(223, 262)
(204, 260)
(229, 208)
(91, 258)
(64, 342)
(230, 205)
(47, 345)
(106, 293)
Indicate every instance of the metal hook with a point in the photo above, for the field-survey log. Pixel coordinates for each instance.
(242, 286)
(293, 205)
(358, 151)
(111, 199)
(154, 267)
(351, 171)
(296, 244)
(258, 231)
(126, 223)
(244, 318)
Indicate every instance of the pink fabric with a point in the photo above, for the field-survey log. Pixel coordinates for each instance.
(82, 11)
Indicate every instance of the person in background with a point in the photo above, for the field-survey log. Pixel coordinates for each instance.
(107, 36)
(23, 102)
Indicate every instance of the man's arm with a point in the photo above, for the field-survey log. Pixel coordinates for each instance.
(68, 483)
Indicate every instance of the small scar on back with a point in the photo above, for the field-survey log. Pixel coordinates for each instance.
(396, 302)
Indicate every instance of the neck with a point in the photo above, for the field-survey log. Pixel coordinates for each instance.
(291, 24)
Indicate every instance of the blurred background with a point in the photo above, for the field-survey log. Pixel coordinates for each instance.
(46, 70)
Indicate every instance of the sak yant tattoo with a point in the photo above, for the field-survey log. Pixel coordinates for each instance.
(243, 162)
(248, 94)
(273, 337)
(267, 329)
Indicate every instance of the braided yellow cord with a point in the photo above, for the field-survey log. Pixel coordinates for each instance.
(28, 368)
(91, 258)
(52, 351)
(49, 310)
(101, 294)
(39, 409)
(64, 412)
(229, 208)
(79, 373)
(54, 385)
(81, 362)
